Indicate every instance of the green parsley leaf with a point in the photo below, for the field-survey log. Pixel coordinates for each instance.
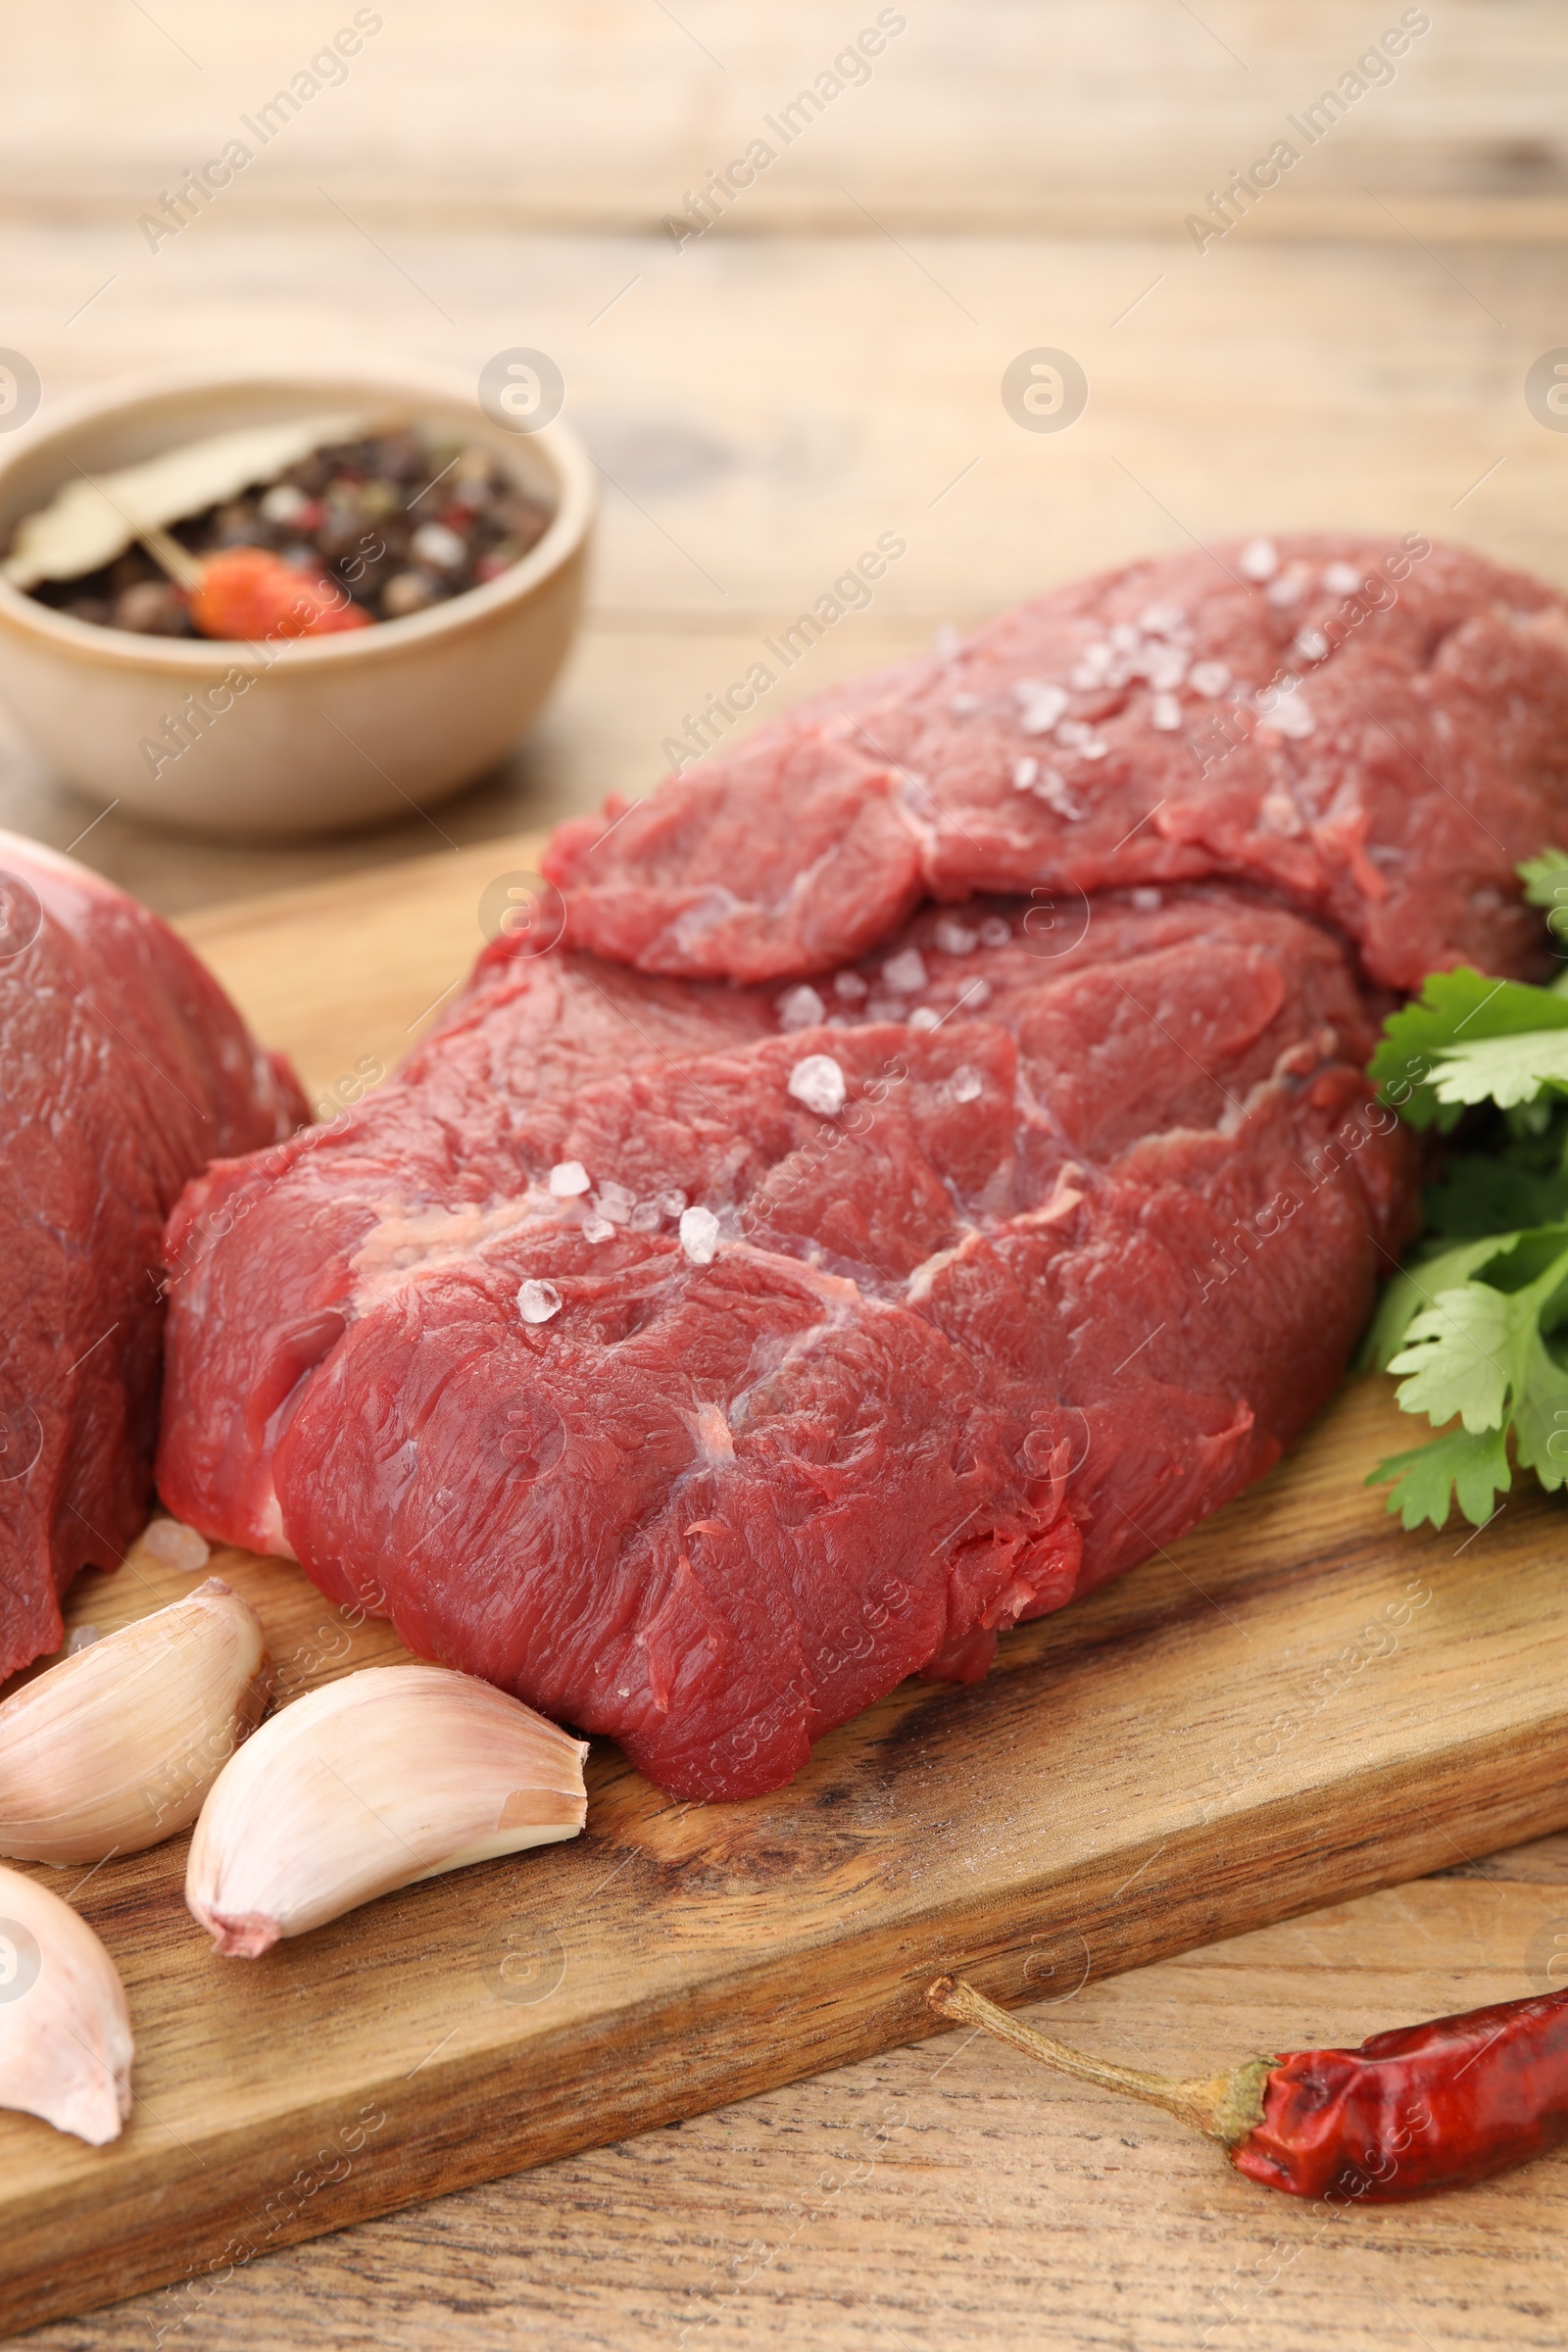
(1453, 1009)
(1416, 1286)
(1546, 881)
(1473, 1349)
(1541, 1417)
(1475, 1465)
(1477, 1352)
(1475, 1331)
(1504, 1070)
(1458, 1355)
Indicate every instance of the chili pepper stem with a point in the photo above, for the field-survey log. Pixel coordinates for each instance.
(1223, 2107)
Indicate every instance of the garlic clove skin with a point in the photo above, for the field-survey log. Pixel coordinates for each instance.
(115, 1747)
(65, 2028)
(391, 1775)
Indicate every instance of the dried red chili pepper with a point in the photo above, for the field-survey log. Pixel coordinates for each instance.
(248, 592)
(1411, 2112)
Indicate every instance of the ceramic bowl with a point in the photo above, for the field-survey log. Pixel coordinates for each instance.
(328, 733)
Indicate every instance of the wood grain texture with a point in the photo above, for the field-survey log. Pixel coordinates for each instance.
(1086, 114)
(950, 2194)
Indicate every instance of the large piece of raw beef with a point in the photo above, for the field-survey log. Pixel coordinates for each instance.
(1088, 1241)
(124, 1069)
(915, 1297)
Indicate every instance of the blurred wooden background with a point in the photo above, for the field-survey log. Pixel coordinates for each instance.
(822, 366)
(826, 362)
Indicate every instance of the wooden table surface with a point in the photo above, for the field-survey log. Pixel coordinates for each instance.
(823, 366)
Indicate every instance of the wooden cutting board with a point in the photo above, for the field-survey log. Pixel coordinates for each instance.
(1297, 1704)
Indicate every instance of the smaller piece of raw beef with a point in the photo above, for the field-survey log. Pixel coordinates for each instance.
(124, 1069)
(697, 1363)
(1376, 730)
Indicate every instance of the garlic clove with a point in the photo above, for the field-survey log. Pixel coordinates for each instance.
(65, 2030)
(391, 1775)
(115, 1747)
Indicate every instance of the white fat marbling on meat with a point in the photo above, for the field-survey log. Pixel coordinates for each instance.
(406, 1245)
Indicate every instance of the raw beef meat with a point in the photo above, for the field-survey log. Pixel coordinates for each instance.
(124, 1068)
(1376, 732)
(900, 1307)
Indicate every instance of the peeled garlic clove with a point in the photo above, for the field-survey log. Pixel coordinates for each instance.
(115, 1746)
(65, 2030)
(390, 1775)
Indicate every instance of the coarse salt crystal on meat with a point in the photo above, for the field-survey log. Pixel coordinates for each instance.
(1042, 708)
(1165, 667)
(818, 1082)
(1290, 714)
(538, 1301)
(699, 1235)
(905, 973)
(800, 1008)
(1052, 788)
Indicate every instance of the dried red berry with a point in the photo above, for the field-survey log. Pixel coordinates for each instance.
(247, 592)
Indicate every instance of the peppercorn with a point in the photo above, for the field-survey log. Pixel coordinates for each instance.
(151, 608)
